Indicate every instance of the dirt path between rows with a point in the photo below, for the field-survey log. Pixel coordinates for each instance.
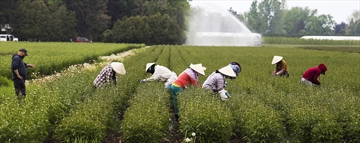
(86, 66)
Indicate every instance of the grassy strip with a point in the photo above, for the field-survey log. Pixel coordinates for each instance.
(298, 41)
(33, 119)
(334, 48)
(204, 115)
(147, 118)
(99, 115)
(54, 57)
(254, 121)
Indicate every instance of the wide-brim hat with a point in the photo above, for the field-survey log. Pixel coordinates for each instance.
(198, 68)
(276, 59)
(228, 71)
(148, 65)
(118, 67)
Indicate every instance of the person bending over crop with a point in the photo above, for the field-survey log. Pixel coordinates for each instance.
(281, 67)
(108, 73)
(186, 78)
(310, 76)
(217, 80)
(160, 73)
(19, 74)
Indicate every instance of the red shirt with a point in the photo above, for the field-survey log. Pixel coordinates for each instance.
(312, 74)
(184, 80)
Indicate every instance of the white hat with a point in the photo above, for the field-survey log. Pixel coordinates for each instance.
(276, 59)
(148, 65)
(198, 68)
(118, 67)
(227, 70)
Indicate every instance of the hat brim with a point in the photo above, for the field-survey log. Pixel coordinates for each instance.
(276, 59)
(228, 71)
(148, 65)
(118, 68)
(198, 68)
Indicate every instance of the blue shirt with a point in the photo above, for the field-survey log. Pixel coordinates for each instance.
(18, 64)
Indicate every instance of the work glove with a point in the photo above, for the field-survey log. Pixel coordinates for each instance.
(142, 81)
(223, 95)
(227, 94)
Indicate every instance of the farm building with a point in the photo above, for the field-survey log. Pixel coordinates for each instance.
(332, 37)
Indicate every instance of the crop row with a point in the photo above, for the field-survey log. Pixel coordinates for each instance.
(54, 57)
(298, 41)
(261, 108)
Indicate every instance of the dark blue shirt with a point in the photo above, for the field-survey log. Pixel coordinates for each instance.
(18, 64)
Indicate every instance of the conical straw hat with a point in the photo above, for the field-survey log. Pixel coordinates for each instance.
(118, 67)
(198, 68)
(148, 65)
(227, 71)
(276, 59)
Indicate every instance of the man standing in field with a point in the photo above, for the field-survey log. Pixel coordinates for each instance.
(19, 74)
(310, 76)
(108, 73)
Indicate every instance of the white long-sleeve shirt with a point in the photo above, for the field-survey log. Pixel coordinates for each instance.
(161, 73)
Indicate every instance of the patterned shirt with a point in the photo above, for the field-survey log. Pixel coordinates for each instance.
(106, 74)
(215, 82)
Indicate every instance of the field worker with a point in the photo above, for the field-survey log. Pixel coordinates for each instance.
(186, 78)
(160, 73)
(310, 76)
(108, 73)
(217, 81)
(281, 67)
(236, 67)
(19, 73)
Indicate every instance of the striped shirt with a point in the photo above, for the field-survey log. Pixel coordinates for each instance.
(215, 82)
(106, 74)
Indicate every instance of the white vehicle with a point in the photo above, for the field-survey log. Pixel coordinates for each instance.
(8, 37)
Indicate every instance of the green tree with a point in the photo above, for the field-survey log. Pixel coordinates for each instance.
(357, 28)
(156, 31)
(320, 25)
(353, 20)
(31, 20)
(295, 19)
(6, 9)
(117, 9)
(62, 25)
(253, 18)
(90, 15)
(271, 12)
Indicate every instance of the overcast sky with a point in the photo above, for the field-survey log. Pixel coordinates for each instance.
(341, 10)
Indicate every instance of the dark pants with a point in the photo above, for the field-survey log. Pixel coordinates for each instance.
(19, 85)
(284, 74)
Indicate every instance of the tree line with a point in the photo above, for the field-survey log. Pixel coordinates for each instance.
(152, 21)
(131, 21)
(273, 18)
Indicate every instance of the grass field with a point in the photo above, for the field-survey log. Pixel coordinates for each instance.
(262, 108)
